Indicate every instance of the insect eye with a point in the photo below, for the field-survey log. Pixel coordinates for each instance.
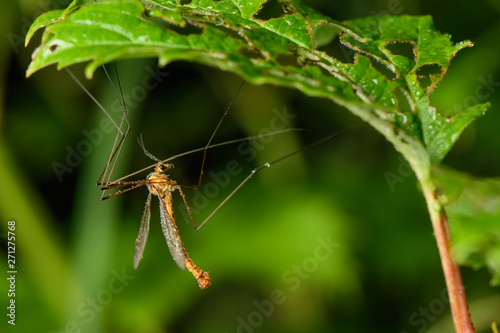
(162, 167)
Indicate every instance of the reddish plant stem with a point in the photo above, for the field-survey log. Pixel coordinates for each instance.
(453, 277)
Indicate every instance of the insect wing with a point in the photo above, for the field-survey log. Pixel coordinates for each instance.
(142, 236)
(171, 233)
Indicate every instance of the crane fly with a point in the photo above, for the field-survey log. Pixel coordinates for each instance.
(159, 184)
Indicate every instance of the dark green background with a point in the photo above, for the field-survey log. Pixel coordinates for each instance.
(383, 275)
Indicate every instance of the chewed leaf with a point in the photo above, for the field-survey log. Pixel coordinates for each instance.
(395, 62)
(430, 46)
(440, 133)
(474, 216)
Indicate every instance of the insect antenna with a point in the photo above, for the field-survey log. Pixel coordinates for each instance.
(146, 152)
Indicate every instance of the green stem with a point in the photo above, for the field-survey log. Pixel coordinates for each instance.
(454, 283)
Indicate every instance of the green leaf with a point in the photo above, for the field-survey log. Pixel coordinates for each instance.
(474, 213)
(282, 51)
(440, 133)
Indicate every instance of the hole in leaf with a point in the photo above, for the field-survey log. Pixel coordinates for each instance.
(269, 10)
(250, 53)
(383, 69)
(231, 33)
(425, 73)
(288, 60)
(189, 29)
(404, 104)
(401, 48)
(339, 51)
(325, 71)
(324, 34)
(184, 2)
(53, 48)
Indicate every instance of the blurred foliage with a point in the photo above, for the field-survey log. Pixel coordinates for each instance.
(474, 207)
(382, 276)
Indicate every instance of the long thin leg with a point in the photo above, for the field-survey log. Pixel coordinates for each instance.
(119, 142)
(204, 156)
(133, 185)
(122, 134)
(267, 165)
(215, 145)
(187, 206)
(70, 73)
(215, 131)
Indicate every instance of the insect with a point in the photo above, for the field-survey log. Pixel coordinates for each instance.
(160, 185)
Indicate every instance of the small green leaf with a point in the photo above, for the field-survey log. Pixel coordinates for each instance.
(441, 133)
(474, 215)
